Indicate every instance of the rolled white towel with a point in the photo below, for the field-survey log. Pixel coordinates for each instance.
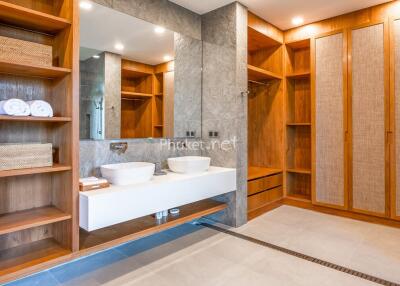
(40, 108)
(14, 107)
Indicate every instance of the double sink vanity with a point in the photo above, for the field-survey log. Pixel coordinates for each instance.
(135, 192)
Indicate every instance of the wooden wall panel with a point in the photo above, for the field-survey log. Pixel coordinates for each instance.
(329, 113)
(396, 34)
(368, 119)
(265, 128)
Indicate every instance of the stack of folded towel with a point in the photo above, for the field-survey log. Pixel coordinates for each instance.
(18, 107)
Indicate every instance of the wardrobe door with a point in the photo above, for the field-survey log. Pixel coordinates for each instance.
(396, 85)
(330, 120)
(367, 80)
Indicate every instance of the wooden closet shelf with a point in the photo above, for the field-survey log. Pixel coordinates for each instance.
(298, 124)
(259, 172)
(33, 70)
(135, 95)
(29, 255)
(144, 226)
(21, 220)
(299, 171)
(259, 74)
(158, 126)
(32, 171)
(258, 40)
(134, 73)
(299, 75)
(30, 19)
(34, 119)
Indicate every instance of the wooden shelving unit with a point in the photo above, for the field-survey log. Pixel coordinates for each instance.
(33, 70)
(38, 216)
(17, 221)
(299, 171)
(135, 95)
(299, 74)
(265, 116)
(298, 119)
(259, 74)
(32, 171)
(34, 119)
(28, 18)
(259, 172)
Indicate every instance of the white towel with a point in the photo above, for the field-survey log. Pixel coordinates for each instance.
(14, 107)
(40, 108)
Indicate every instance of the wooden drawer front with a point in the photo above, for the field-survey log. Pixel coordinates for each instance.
(262, 184)
(261, 199)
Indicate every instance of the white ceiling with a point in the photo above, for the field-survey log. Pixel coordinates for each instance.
(280, 12)
(101, 28)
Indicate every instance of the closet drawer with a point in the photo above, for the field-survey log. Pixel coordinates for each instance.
(265, 183)
(261, 199)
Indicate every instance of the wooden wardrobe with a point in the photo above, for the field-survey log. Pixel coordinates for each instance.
(340, 135)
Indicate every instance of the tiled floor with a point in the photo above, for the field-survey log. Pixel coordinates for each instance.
(193, 255)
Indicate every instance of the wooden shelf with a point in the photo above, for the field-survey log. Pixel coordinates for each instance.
(33, 70)
(257, 40)
(17, 221)
(298, 124)
(31, 19)
(299, 197)
(134, 73)
(29, 255)
(259, 172)
(135, 95)
(299, 171)
(34, 119)
(31, 171)
(158, 126)
(145, 226)
(299, 75)
(159, 94)
(297, 45)
(259, 74)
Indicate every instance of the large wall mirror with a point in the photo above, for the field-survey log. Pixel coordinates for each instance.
(137, 80)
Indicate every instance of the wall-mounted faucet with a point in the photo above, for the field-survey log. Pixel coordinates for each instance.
(119, 147)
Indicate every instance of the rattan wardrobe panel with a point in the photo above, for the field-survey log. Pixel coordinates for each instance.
(368, 119)
(397, 108)
(329, 120)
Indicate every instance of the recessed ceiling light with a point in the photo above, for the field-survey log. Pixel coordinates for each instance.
(119, 47)
(159, 30)
(96, 57)
(85, 5)
(167, 58)
(297, 21)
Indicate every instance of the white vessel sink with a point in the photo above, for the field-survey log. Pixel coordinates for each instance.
(189, 164)
(128, 173)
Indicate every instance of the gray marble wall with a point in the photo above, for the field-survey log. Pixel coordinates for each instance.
(112, 95)
(160, 12)
(224, 109)
(93, 154)
(187, 94)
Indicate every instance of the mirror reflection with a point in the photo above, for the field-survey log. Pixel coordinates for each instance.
(137, 80)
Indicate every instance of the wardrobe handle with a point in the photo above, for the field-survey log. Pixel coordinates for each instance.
(388, 136)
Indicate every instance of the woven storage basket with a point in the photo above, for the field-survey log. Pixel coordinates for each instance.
(21, 156)
(23, 52)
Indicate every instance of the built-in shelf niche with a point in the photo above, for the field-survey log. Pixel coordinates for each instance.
(37, 210)
(298, 119)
